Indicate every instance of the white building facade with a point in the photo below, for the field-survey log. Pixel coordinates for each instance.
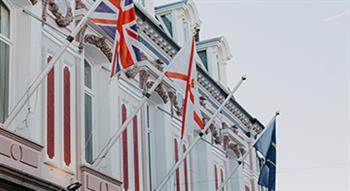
(66, 123)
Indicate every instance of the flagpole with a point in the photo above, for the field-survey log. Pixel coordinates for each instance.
(36, 83)
(246, 154)
(102, 154)
(198, 138)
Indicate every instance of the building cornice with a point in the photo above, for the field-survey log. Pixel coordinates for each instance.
(221, 45)
(151, 29)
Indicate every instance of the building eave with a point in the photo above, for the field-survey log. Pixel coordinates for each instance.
(170, 6)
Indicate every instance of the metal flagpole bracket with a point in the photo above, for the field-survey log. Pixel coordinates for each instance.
(70, 38)
(240, 161)
(198, 138)
(38, 79)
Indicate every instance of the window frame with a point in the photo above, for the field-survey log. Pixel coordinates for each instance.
(9, 42)
(4, 38)
(89, 92)
(205, 64)
(186, 31)
(169, 16)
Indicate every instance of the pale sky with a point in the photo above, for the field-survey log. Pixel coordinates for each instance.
(296, 56)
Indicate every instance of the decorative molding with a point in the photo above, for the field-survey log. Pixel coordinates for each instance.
(20, 152)
(20, 139)
(96, 181)
(62, 21)
(99, 42)
(79, 4)
(17, 176)
(33, 2)
(80, 38)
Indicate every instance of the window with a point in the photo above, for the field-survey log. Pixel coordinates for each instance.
(88, 97)
(4, 59)
(203, 55)
(4, 20)
(186, 31)
(167, 22)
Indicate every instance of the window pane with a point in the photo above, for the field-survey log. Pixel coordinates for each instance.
(186, 31)
(88, 128)
(203, 55)
(4, 65)
(87, 75)
(168, 24)
(4, 20)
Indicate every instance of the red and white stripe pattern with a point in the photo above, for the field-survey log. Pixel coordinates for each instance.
(131, 155)
(183, 71)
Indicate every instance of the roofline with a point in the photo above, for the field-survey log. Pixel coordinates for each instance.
(170, 4)
(207, 41)
(145, 16)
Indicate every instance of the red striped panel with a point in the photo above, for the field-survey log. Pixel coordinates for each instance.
(51, 112)
(185, 170)
(125, 151)
(67, 138)
(136, 155)
(177, 174)
(222, 177)
(216, 177)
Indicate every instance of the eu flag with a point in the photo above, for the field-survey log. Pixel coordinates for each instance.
(266, 145)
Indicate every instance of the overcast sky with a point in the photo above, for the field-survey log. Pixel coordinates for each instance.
(296, 56)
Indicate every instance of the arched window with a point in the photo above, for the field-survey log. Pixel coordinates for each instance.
(5, 44)
(88, 103)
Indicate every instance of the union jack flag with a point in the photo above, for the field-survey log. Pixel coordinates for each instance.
(117, 19)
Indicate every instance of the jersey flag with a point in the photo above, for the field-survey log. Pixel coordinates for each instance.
(183, 71)
(117, 19)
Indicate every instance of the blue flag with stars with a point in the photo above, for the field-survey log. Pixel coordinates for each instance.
(266, 146)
